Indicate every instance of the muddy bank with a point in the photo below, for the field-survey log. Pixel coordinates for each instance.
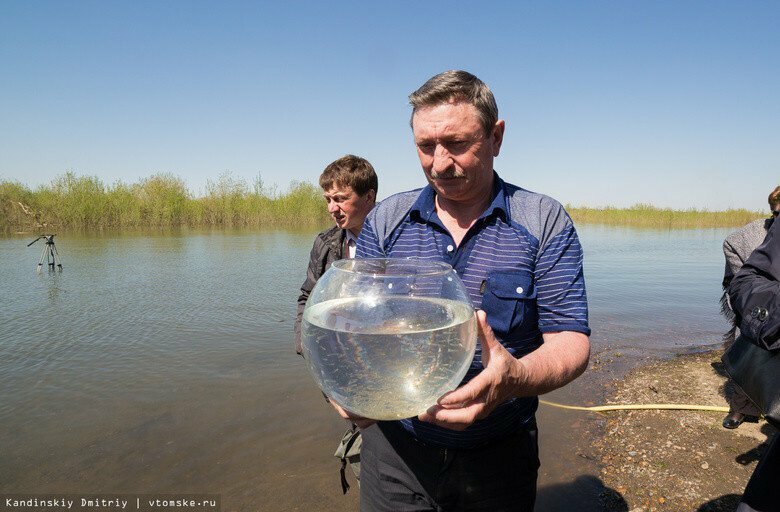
(662, 460)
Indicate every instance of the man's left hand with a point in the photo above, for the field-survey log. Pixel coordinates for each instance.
(496, 383)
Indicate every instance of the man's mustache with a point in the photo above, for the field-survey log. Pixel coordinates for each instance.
(447, 174)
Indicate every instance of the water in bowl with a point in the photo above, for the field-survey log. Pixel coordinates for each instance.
(390, 358)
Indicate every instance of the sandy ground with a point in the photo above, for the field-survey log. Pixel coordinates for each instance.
(662, 460)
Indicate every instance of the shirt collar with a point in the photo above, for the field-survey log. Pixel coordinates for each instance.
(425, 205)
(350, 236)
(499, 203)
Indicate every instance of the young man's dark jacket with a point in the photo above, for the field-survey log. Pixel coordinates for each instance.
(328, 247)
(755, 292)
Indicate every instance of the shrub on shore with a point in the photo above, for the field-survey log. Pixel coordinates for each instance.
(163, 201)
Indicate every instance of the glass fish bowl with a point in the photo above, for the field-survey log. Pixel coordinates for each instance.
(385, 338)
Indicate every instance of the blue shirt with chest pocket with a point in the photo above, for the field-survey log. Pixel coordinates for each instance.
(521, 263)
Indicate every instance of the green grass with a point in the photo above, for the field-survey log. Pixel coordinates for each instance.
(160, 201)
(163, 201)
(646, 216)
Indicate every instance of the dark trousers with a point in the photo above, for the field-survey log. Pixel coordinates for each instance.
(401, 474)
(761, 492)
(738, 400)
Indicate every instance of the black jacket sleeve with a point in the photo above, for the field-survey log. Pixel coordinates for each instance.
(327, 248)
(313, 273)
(755, 292)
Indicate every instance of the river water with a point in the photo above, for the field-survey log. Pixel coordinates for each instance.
(164, 363)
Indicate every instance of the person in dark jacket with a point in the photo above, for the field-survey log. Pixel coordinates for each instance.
(737, 248)
(755, 298)
(350, 185)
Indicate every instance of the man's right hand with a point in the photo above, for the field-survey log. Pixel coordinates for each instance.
(360, 421)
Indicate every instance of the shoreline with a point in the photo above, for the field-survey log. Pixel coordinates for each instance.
(673, 460)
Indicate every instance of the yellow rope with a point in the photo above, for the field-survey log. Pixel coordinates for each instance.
(602, 408)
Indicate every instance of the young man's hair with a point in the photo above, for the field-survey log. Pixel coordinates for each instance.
(352, 171)
(774, 199)
(455, 86)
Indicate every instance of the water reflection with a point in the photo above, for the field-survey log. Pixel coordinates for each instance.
(52, 283)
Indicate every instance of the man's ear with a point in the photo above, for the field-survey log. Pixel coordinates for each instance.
(498, 136)
(371, 195)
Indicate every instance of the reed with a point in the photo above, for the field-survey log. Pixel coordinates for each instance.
(163, 201)
(647, 216)
(160, 201)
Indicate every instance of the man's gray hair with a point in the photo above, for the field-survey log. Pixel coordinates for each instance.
(454, 86)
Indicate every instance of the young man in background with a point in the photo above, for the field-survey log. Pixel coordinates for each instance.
(349, 185)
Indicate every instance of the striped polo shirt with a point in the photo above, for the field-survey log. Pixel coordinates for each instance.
(521, 263)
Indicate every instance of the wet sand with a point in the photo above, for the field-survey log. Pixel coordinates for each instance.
(654, 460)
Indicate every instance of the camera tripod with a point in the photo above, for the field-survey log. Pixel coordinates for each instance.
(49, 252)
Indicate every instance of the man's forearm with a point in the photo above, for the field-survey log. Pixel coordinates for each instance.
(562, 358)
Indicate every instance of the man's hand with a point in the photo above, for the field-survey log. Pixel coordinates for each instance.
(360, 421)
(562, 358)
(496, 383)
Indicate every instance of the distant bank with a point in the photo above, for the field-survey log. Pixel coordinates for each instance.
(163, 201)
(647, 216)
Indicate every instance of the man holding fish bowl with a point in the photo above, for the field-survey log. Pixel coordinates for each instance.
(520, 262)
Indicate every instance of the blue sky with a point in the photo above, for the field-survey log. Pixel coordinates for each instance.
(606, 103)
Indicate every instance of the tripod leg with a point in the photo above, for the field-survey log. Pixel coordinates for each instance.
(53, 261)
(59, 265)
(43, 255)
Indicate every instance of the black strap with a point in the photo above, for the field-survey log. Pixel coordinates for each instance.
(344, 483)
(344, 448)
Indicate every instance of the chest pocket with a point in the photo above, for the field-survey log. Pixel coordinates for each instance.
(509, 299)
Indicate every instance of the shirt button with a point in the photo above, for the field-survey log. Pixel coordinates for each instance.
(519, 289)
(450, 248)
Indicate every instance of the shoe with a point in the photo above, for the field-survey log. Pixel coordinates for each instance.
(733, 420)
